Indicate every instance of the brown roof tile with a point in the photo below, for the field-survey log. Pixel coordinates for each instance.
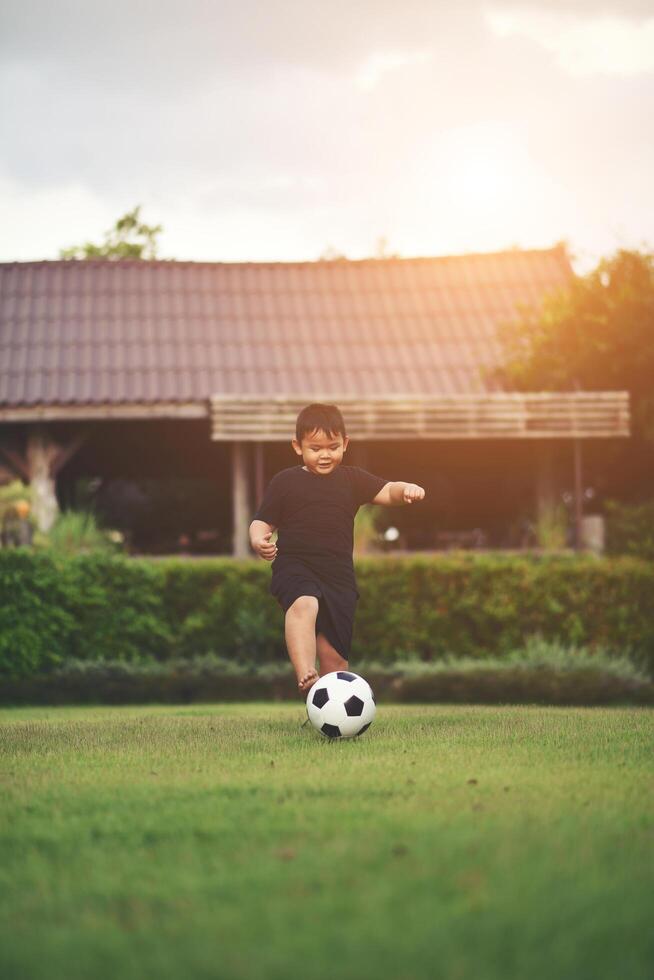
(99, 332)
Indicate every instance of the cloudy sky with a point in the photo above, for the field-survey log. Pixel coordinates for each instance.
(274, 129)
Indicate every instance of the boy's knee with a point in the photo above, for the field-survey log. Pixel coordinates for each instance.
(304, 605)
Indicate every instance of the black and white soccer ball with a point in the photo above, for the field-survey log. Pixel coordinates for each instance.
(341, 705)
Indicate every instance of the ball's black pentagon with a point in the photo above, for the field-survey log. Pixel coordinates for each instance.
(365, 727)
(344, 675)
(320, 697)
(331, 731)
(354, 706)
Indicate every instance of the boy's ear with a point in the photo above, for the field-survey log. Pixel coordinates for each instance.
(296, 446)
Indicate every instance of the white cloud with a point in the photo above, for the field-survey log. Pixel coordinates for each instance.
(582, 45)
(379, 63)
(36, 223)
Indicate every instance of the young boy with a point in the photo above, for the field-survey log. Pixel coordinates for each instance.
(313, 507)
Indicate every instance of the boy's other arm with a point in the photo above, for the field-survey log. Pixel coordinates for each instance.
(260, 534)
(398, 493)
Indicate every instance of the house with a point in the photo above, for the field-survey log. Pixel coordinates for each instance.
(125, 369)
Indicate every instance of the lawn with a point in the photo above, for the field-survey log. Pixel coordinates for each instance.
(225, 841)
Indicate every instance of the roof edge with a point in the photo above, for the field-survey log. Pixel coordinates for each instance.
(559, 247)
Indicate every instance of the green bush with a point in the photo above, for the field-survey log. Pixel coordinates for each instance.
(88, 607)
(78, 532)
(630, 529)
(36, 624)
(426, 608)
(542, 674)
(485, 606)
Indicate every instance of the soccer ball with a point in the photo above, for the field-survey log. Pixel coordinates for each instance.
(341, 705)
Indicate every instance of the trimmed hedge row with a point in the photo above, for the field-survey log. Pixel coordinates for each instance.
(426, 607)
(209, 680)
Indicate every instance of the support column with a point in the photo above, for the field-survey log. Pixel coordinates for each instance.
(39, 465)
(41, 455)
(259, 474)
(545, 483)
(240, 501)
(360, 455)
(579, 493)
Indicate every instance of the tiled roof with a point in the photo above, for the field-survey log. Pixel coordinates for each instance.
(104, 332)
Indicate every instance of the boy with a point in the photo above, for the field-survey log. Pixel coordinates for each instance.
(313, 506)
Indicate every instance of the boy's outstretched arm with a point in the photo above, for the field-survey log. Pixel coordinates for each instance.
(397, 493)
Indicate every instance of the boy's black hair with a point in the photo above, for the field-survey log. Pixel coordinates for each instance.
(318, 416)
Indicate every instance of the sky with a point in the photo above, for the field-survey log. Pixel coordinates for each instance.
(282, 130)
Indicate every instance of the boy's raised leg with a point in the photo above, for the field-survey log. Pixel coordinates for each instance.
(329, 658)
(300, 632)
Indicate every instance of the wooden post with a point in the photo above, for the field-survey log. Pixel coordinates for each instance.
(579, 493)
(545, 486)
(259, 474)
(240, 501)
(360, 455)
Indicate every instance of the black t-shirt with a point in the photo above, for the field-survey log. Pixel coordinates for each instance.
(314, 514)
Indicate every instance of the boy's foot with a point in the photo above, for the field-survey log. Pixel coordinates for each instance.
(308, 680)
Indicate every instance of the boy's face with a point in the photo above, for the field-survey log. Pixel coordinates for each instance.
(320, 452)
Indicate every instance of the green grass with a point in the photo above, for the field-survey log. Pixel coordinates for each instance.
(448, 842)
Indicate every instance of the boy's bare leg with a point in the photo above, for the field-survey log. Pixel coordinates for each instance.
(330, 659)
(300, 632)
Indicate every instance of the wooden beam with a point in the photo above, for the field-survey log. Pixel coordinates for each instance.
(67, 452)
(530, 415)
(104, 410)
(17, 462)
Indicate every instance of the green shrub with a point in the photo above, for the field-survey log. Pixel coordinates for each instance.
(426, 608)
(366, 536)
(488, 605)
(35, 623)
(543, 674)
(87, 607)
(552, 528)
(78, 532)
(118, 607)
(12, 493)
(232, 622)
(630, 529)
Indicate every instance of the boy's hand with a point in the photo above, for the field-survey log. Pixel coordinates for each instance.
(412, 492)
(264, 547)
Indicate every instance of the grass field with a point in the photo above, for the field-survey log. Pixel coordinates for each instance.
(223, 841)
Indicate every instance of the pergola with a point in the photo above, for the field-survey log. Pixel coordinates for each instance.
(248, 422)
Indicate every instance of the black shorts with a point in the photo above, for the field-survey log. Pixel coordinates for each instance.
(336, 605)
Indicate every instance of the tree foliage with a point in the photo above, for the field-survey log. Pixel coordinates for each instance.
(130, 238)
(595, 334)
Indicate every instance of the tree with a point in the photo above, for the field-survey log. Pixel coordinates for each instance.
(597, 333)
(381, 251)
(331, 254)
(130, 238)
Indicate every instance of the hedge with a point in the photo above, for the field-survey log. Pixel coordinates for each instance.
(97, 607)
(528, 677)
